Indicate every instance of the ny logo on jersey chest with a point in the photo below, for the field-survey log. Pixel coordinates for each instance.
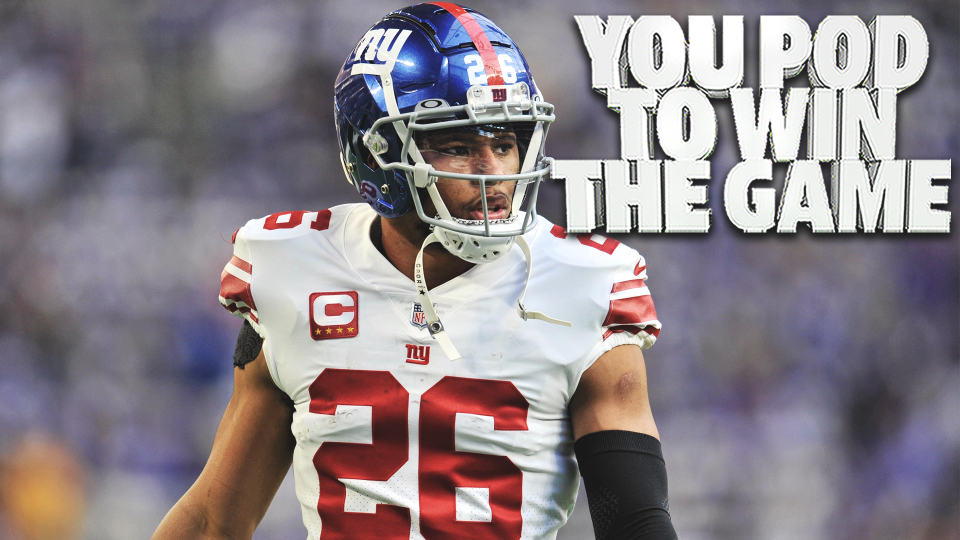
(418, 354)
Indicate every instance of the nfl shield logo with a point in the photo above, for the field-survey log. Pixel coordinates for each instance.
(417, 317)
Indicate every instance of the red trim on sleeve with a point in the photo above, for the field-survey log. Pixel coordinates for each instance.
(233, 238)
(627, 285)
(489, 56)
(234, 289)
(232, 308)
(638, 269)
(631, 329)
(634, 310)
(241, 264)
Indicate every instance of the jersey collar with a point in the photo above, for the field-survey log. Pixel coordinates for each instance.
(364, 258)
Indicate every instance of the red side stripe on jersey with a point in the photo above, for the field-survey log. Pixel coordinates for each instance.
(639, 269)
(489, 56)
(235, 289)
(322, 222)
(233, 238)
(241, 264)
(627, 285)
(558, 232)
(631, 311)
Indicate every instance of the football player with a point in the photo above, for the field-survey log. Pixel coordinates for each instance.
(424, 378)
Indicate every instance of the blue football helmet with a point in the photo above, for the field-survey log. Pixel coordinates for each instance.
(436, 68)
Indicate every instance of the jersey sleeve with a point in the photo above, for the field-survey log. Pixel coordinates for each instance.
(235, 291)
(631, 317)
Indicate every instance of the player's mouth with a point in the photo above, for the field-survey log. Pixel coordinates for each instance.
(497, 208)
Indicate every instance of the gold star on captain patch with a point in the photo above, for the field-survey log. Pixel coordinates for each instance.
(319, 332)
(329, 331)
(350, 329)
(339, 330)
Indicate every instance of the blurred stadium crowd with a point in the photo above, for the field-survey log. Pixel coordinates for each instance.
(805, 387)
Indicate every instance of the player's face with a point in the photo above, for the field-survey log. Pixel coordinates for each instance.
(478, 151)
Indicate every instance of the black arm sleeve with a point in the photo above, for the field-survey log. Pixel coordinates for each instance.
(249, 344)
(626, 482)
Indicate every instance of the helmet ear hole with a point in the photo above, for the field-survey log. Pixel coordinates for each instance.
(369, 160)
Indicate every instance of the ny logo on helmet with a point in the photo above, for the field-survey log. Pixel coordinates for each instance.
(382, 44)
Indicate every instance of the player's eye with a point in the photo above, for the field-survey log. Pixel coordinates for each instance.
(505, 147)
(457, 150)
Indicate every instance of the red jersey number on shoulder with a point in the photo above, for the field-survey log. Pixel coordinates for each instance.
(604, 244)
(289, 220)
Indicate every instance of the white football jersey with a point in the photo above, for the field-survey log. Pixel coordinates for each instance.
(395, 440)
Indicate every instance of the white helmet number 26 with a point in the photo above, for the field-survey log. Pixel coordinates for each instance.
(477, 74)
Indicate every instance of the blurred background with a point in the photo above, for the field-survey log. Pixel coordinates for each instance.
(806, 387)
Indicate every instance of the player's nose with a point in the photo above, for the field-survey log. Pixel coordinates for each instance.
(486, 161)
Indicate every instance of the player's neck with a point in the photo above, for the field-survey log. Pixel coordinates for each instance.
(400, 240)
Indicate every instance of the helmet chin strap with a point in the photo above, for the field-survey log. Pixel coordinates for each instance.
(436, 328)
(433, 321)
(522, 311)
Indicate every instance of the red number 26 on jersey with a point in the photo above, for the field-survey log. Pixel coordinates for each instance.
(442, 468)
